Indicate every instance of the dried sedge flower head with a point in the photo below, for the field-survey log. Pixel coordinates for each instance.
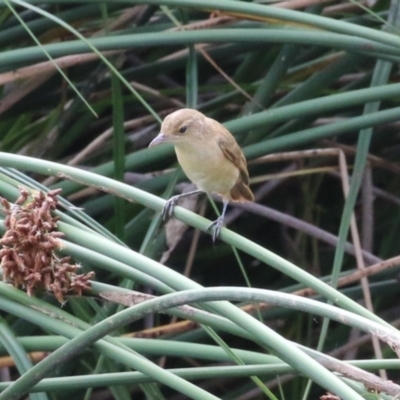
(28, 256)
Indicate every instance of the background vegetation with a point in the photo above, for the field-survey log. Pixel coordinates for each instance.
(310, 90)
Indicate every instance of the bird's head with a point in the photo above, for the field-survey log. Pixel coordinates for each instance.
(180, 126)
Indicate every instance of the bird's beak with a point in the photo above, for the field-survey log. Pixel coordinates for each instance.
(160, 138)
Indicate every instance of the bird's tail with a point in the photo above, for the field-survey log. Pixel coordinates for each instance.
(241, 192)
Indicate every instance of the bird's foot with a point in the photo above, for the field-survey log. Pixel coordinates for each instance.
(168, 210)
(217, 225)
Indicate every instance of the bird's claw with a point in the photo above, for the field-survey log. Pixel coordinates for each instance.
(168, 210)
(217, 225)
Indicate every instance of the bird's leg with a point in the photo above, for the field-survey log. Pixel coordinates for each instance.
(218, 223)
(168, 210)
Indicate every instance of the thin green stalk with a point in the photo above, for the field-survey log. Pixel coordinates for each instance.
(272, 79)
(191, 78)
(135, 378)
(195, 373)
(16, 351)
(234, 356)
(185, 38)
(87, 44)
(42, 48)
(172, 348)
(118, 155)
(40, 25)
(260, 10)
(191, 64)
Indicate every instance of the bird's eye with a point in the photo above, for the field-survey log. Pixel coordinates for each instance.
(182, 129)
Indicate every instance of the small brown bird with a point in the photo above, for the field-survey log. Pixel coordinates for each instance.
(210, 157)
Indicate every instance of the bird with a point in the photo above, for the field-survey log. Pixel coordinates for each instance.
(209, 156)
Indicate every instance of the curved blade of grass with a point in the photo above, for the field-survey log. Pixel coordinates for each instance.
(159, 347)
(130, 378)
(245, 9)
(15, 350)
(185, 38)
(259, 10)
(93, 48)
(118, 155)
(61, 72)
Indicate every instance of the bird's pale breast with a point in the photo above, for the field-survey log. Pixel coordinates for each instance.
(205, 165)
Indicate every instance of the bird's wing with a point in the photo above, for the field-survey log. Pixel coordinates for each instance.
(234, 154)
